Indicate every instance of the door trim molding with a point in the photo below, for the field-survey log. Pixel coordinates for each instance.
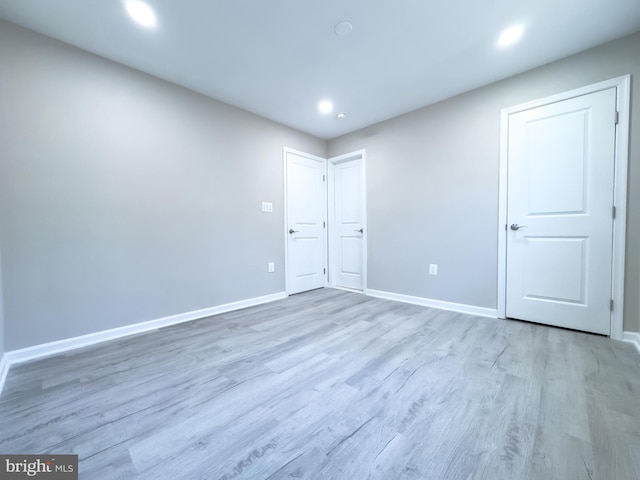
(285, 152)
(623, 95)
(331, 163)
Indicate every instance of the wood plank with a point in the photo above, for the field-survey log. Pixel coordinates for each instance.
(333, 384)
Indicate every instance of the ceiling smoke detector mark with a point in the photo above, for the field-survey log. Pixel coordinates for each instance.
(342, 115)
(343, 29)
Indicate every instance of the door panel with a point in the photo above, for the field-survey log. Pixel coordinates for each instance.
(547, 140)
(348, 235)
(555, 269)
(560, 198)
(351, 253)
(305, 223)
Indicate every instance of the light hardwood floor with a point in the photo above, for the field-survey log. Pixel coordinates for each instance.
(335, 385)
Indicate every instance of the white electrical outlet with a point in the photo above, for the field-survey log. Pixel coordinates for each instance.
(433, 269)
(272, 267)
(267, 207)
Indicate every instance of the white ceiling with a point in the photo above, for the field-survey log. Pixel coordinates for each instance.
(279, 58)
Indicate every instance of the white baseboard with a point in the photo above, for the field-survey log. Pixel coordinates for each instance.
(632, 337)
(427, 302)
(4, 370)
(22, 355)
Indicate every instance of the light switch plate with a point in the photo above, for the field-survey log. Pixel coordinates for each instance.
(267, 207)
(271, 267)
(433, 269)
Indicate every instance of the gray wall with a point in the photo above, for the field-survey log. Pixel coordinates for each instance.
(124, 198)
(433, 182)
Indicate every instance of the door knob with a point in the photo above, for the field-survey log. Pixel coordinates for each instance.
(291, 230)
(515, 226)
(361, 230)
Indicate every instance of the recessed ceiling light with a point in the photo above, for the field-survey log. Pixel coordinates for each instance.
(343, 29)
(325, 106)
(342, 115)
(510, 35)
(141, 13)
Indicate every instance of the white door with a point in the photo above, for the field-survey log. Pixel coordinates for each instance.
(305, 221)
(347, 232)
(559, 212)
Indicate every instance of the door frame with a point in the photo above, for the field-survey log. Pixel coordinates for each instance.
(285, 153)
(331, 208)
(621, 161)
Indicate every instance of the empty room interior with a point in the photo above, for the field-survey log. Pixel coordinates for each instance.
(321, 240)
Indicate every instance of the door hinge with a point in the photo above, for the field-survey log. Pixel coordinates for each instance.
(323, 178)
(613, 212)
(616, 118)
(611, 304)
(324, 270)
(324, 225)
